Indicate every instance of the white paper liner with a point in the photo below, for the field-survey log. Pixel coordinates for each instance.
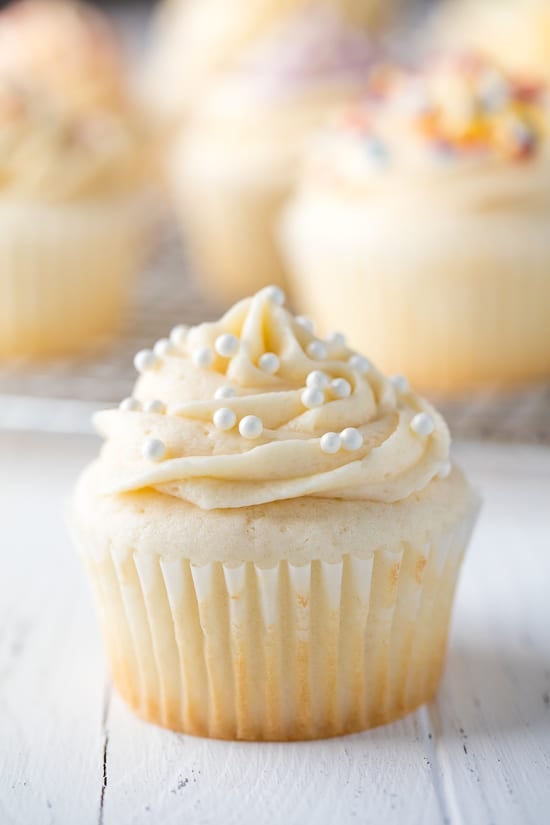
(64, 273)
(287, 652)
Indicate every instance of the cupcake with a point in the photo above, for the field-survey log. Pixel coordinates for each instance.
(234, 165)
(75, 157)
(514, 33)
(197, 40)
(420, 226)
(273, 532)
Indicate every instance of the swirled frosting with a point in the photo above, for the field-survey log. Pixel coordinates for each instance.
(282, 433)
(68, 127)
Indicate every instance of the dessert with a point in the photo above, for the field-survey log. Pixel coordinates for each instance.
(273, 532)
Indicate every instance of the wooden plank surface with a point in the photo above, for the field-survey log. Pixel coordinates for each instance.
(71, 753)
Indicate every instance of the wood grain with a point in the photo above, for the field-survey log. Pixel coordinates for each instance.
(71, 753)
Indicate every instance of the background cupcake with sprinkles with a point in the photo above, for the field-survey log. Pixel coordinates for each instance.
(430, 200)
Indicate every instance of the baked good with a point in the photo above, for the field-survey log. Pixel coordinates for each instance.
(234, 165)
(273, 532)
(420, 226)
(76, 157)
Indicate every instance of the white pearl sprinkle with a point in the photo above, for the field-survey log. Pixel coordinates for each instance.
(226, 345)
(423, 424)
(179, 334)
(340, 388)
(305, 323)
(312, 397)
(163, 348)
(153, 449)
(337, 339)
(203, 357)
(360, 363)
(145, 360)
(400, 383)
(224, 392)
(224, 419)
(269, 362)
(130, 405)
(154, 406)
(274, 294)
(445, 470)
(330, 443)
(351, 439)
(251, 426)
(317, 380)
(317, 350)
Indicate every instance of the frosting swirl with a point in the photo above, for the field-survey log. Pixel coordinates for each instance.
(323, 421)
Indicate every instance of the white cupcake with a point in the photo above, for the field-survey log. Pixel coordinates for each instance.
(273, 532)
(75, 160)
(235, 163)
(420, 226)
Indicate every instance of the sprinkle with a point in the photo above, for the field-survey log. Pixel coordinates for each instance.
(251, 426)
(305, 323)
(179, 334)
(445, 470)
(423, 424)
(163, 348)
(226, 345)
(317, 380)
(330, 443)
(274, 294)
(400, 383)
(145, 360)
(224, 392)
(337, 339)
(203, 357)
(360, 363)
(270, 363)
(351, 439)
(130, 405)
(224, 419)
(317, 350)
(153, 449)
(154, 406)
(312, 397)
(340, 388)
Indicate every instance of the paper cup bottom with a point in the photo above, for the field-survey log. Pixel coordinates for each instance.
(279, 653)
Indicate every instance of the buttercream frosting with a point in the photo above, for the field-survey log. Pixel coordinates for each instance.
(219, 460)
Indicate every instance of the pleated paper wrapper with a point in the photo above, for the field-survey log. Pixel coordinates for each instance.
(243, 651)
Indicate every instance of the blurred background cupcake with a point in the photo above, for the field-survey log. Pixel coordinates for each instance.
(75, 157)
(515, 33)
(235, 162)
(420, 227)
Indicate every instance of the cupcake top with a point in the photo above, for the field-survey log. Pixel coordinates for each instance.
(453, 114)
(255, 408)
(68, 127)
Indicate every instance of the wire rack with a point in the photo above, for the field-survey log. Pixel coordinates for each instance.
(61, 396)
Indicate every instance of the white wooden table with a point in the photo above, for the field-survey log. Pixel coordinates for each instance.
(71, 754)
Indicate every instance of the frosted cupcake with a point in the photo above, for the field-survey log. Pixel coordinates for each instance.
(197, 40)
(273, 532)
(235, 163)
(514, 33)
(421, 226)
(74, 157)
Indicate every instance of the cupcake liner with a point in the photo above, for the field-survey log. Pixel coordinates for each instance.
(458, 303)
(64, 273)
(244, 651)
